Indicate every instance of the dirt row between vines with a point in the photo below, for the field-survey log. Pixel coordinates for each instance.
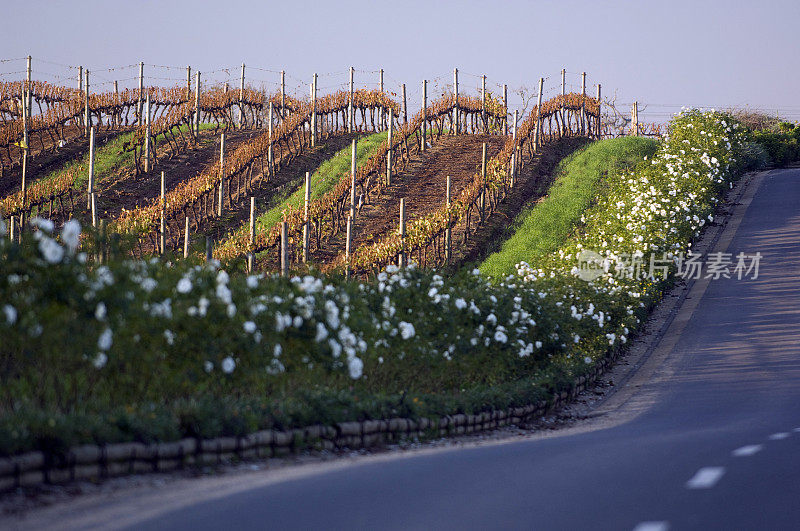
(423, 185)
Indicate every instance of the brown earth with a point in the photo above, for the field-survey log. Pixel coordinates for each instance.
(422, 184)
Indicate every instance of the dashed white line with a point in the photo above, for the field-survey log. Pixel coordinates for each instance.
(706, 477)
(778, 436)
(651, 526)
(746, 451)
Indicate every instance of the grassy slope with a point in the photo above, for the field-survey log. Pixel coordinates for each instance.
(323, 180)
(543, 227)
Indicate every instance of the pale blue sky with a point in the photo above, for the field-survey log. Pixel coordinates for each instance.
(704, 53)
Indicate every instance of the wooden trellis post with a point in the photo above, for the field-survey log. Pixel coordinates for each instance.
(197, 106)
(389, 153)
(80, 78)
(563, 93)
(483, 102)
(381, 110)
(221, 173)
(314, 111)
(448, 230)
(25, 149)
(29, 99)
(146, 134)
(483, 182)
(283, 95)
(141, 94)
(87, 120)
(424, 114)
(347, 246)
(94, 209)
(306, 201)
(186, 238)
(505, 110)
(353, 161)
(583, 103)
(537, 130)
(270, 162)
(90, 186)
(402, 229)
(405, 108)
(162, 233)
(455, 105)
(242, 116)
(598, 131)
(514, 154)
(188, 82)
(250, 254)
(351, 116)
(635, 118)
(284, 249)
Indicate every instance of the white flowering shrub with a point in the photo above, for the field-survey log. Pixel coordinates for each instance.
(138, 349)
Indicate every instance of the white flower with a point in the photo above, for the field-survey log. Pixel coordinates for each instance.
(100, 360)
(71, 234)
(406, 330)
(228, 365)
(587, 360)
(11, 314)
(275, 367)
(43, 224)
(169, 335)
(148, 284)
(500, 336)
(231, 309)
(223, 292)
(100, 311)
(461, 303)
(184, 285)
(208, 366)
(249, 327)
(105, 340)
(252, 281)
(491, 319)
(51, 250)
(222, 277)
(336, 348)
(277, 351)
(356, 367)
(538, 344)
(322, 333)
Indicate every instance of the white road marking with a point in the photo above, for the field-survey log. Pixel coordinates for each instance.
(706, 477)
(651, 526)
(746, 451)
(778, 436)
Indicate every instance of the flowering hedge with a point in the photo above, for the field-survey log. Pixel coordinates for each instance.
(155, 350)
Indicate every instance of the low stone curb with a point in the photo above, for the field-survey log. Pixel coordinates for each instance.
(93, 462)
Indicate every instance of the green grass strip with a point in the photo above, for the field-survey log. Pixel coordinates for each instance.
(544, 226)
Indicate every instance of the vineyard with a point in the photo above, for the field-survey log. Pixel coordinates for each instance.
(191, 261)
(216, 149)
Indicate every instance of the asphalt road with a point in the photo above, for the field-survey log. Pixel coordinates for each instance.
(718, 448)
(706, 435)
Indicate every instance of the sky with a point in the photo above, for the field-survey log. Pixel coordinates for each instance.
(664, 54)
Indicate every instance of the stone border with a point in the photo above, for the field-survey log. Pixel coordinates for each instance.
(93, 462)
